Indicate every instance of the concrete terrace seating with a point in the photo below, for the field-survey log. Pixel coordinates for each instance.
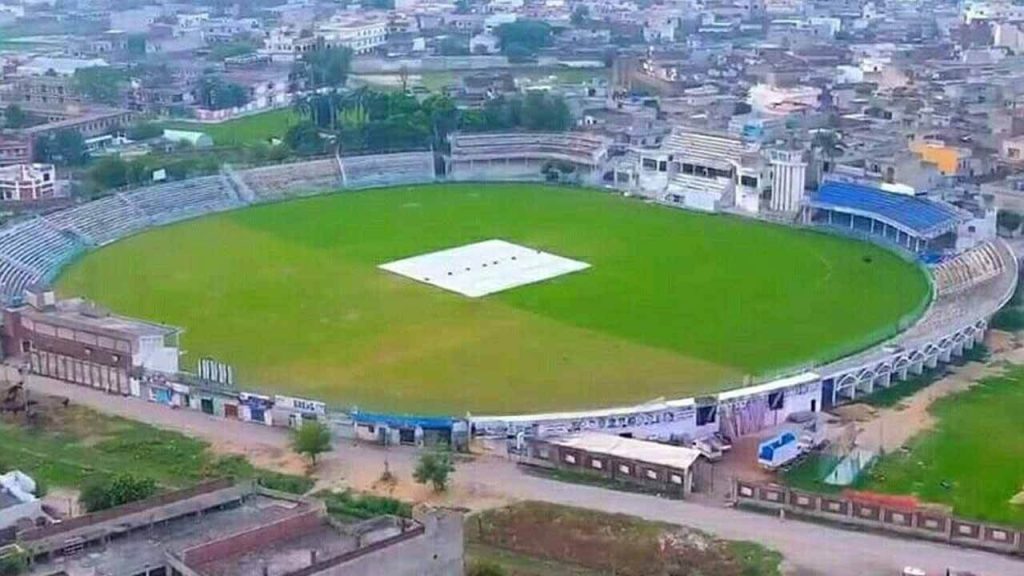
(949, 311)
(38, 245)
(292, 180)
(31, 251)
(13, 281)
(388, 169)
(174, 201)
(101, 221)
(971, 267)
(576, 147)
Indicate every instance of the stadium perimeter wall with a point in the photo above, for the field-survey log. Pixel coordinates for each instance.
(739, 411)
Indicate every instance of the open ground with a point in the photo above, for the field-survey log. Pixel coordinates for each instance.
(250, 129)
(954, 442)
(673, 303)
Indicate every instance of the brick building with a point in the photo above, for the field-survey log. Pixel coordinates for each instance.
(78, 342)
(667, 469)
(225, 529)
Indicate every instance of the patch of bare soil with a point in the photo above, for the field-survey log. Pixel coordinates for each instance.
(618, 544)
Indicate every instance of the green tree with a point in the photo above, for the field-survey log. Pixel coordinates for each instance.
(145, 131)
(435, 468)
(313, 438)
(580, 15)
(454, 45)
(66, 147)
(1009, 220)
(214, 93)
(524, 36)
(109, 172)
(15, 117)
(541, 111)
(13, 561)
(104, 493)
(327, 67)
(101, 84)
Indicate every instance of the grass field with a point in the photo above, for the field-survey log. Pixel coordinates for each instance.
(246, 130)
(74, 445)
(973, 460)
(674, 303)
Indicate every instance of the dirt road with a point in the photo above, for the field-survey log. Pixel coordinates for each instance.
(488, 481)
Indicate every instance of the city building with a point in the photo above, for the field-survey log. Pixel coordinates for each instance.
(79, 342)
(361, 35)
(28, 182)
(225, 529)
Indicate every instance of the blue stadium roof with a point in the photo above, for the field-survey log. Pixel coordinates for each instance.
(916, 216)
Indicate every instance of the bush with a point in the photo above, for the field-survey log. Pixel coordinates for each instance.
(1010, 319)
(348, 505)
(285, 482)
(105, 493)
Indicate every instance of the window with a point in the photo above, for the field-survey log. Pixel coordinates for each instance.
(569, 458)
(748, 181)
(652, 474)
(624, 469)
(706, 415)
(776, 400)
(26, 346)
(115, 358)
(596, 464)
(676, 479)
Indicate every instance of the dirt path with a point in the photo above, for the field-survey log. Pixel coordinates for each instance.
(893, 427)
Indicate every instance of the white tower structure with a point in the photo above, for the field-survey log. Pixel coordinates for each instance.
(789, 170)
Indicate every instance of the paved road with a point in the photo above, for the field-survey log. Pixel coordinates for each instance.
(810, 549)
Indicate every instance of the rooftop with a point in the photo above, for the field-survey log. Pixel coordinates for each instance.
(912, 214)
(77, 313)
(676, 457)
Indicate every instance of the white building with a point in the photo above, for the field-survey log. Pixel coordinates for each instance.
(287, 44)
(359, 34)
(26, 182)
(789, 172)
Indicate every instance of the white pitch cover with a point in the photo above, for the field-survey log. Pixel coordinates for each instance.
(483, 268)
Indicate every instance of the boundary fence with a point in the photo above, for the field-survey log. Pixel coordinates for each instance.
(916, 522)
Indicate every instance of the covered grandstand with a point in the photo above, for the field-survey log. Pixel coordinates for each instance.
(914, 223)
(523, 155)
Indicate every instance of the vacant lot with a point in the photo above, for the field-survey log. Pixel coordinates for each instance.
(246, 130)
(536, 539)
(974, 458)
(674, 303)
(67, 446)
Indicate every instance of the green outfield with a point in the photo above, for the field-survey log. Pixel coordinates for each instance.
(674, 303)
